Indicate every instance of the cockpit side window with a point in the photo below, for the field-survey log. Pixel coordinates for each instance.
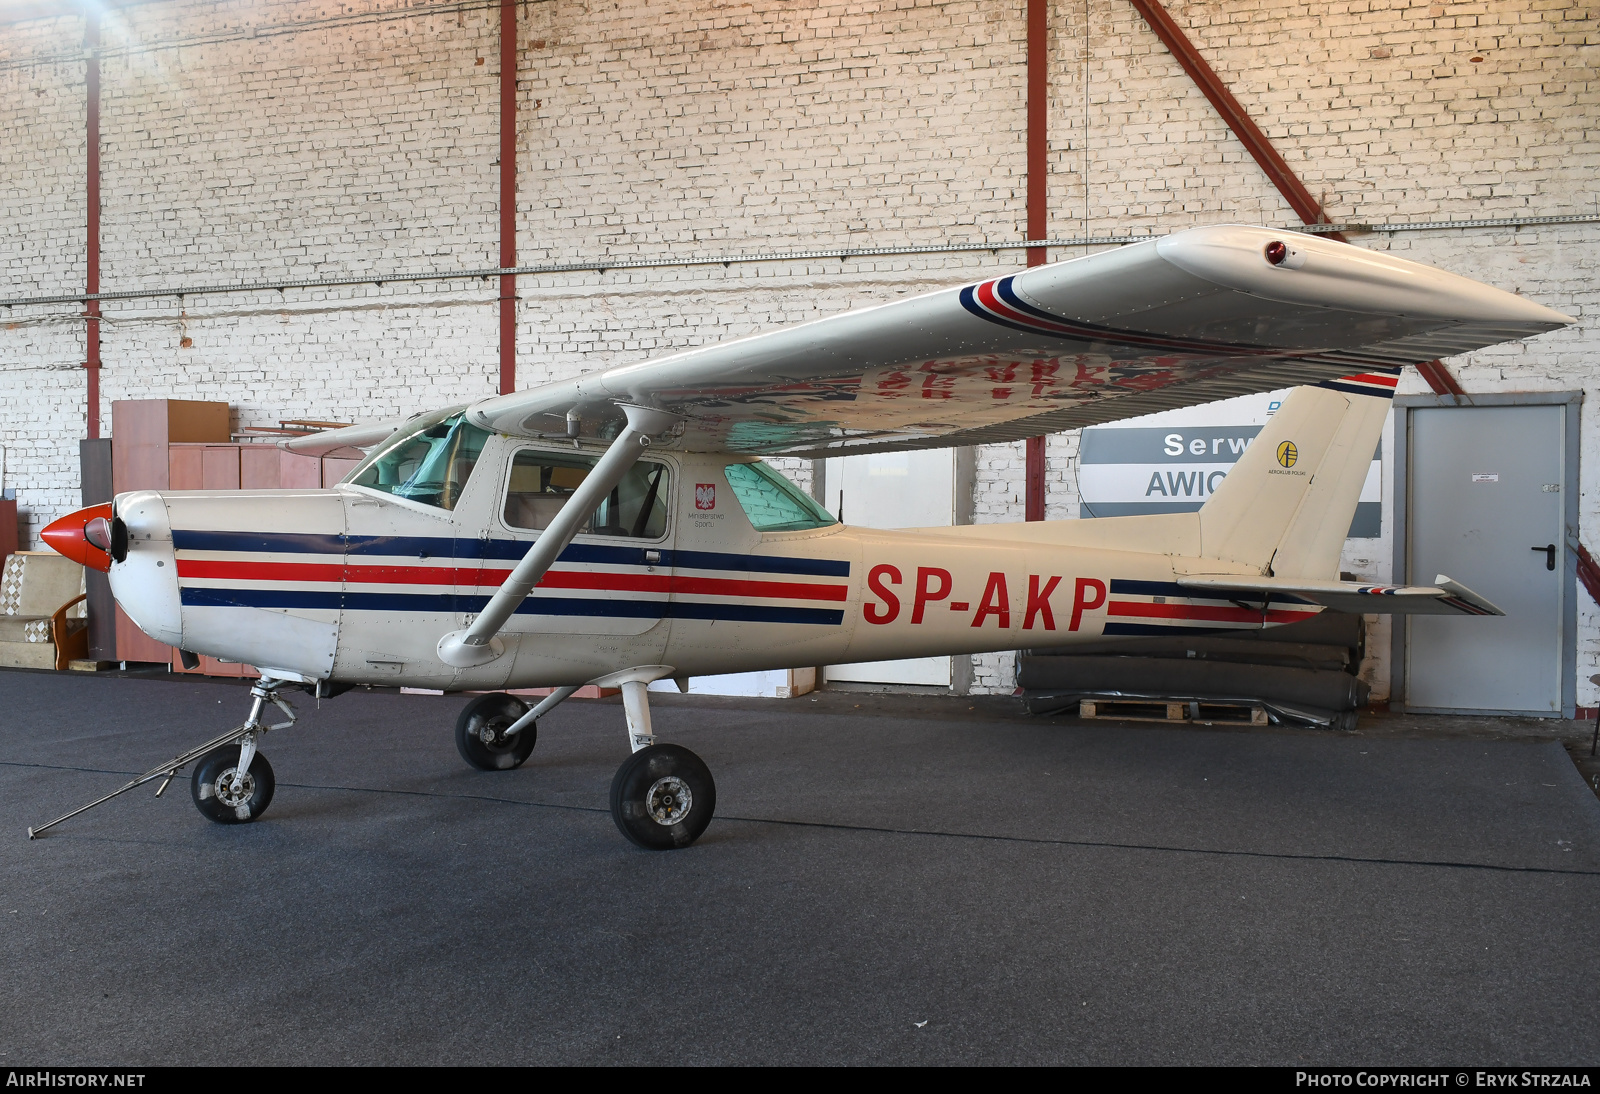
(427, 461)
(541, 483)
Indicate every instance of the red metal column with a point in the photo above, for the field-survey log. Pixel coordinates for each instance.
(1038, 208)
(1255, 142)
(1439, 378)
(1038, 126)
(91, 362)
(508, 195)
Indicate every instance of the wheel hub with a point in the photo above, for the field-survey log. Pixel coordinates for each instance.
(235, 792)
(668, 800)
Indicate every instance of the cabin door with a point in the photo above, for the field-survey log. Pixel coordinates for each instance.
(614, 579)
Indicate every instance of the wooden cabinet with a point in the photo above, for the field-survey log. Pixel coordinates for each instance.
(261, 466)
(8, 529)
(142, 430)
(334, 469)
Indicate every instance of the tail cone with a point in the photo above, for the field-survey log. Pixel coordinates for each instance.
(85, 537)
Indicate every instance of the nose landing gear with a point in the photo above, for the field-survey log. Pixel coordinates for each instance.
(228, 787)
(230, 790)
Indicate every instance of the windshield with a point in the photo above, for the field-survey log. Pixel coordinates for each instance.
(428, 460)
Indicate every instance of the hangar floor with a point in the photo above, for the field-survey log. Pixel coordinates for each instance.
(896, 880)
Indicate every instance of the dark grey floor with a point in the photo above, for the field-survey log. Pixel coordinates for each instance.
(1033, 891)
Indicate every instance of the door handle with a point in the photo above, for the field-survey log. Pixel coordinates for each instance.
(1549, 555)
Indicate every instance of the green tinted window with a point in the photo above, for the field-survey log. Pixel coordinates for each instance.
(772, 502)
(428, 460)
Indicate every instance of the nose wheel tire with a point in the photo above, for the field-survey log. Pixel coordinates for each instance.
(226, 799)
(663, 797)
(480, 733)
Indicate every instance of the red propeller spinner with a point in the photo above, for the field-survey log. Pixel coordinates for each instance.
(85, 536)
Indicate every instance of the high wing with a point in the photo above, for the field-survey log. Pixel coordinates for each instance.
(1200, 315)
(1444, 597)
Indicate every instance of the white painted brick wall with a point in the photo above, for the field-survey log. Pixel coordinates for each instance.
(343, 144)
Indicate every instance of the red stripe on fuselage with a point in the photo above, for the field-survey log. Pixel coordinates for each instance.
(335, 573)
(1369, 378)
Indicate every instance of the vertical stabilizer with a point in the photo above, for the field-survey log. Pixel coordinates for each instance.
(1286, 506)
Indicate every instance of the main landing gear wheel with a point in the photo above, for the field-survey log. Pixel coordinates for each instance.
(228, 800)
(481, 729)
(662, 797)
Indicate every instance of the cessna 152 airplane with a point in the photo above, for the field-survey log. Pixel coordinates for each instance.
(620, 527)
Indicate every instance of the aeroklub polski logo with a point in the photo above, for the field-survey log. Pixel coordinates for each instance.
(1288, 453)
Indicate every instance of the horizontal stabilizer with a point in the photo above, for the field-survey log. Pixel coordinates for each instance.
(351, 441)
(1444, 597)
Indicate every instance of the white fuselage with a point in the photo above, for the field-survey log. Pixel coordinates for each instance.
(353, 584)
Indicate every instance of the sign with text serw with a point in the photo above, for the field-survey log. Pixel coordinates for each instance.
(1172, 462)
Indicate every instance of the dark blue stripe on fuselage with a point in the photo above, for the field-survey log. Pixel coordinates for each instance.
(185, 539)
(426, 547)
(1359, 389)
(469, 602)
(1149, 588)
(1147, 629)
(1129, 587)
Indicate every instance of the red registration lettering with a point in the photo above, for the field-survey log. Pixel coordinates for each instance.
(1081, 601)
(996, 602)
(891, 603)
(926, 593)
(1039, 602)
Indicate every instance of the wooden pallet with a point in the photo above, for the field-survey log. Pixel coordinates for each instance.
(1205, 712)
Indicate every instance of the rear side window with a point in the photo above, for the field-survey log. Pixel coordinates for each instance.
(541, 483)
(772, 502)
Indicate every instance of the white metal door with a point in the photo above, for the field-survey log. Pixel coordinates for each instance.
(894, 490)
(1484, 505)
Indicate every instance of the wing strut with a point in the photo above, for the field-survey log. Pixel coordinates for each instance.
(477, 644)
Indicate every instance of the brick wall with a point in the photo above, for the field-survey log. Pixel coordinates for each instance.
(313, 139)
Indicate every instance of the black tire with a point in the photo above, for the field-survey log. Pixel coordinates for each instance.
(212, 790)
(480, 733)
(647, 792)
